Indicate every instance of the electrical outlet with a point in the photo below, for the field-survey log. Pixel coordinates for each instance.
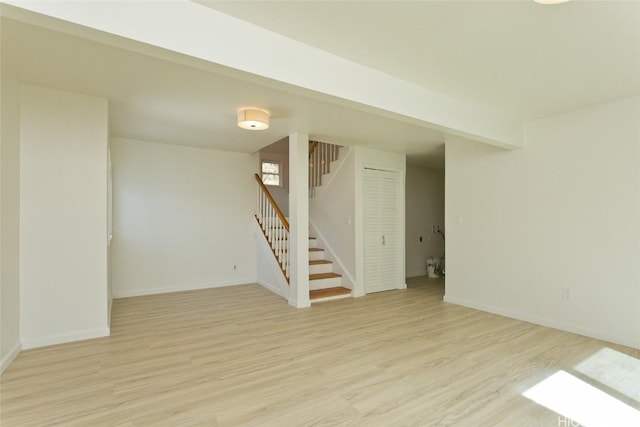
(566, 294)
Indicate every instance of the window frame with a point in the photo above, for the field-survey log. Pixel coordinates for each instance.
(279, 174)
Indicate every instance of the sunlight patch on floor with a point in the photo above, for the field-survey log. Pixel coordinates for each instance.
(581, 402)
(617, 370)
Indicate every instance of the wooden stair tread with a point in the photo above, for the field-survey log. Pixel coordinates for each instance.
(315, 249)
(323, 276)
(320, 261)
(329, 292)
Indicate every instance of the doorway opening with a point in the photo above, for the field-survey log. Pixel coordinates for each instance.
(425, 260)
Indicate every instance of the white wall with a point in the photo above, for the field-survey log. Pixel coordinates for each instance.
(366, 157)
(425, 208)
(332, 213)
(63, 208)
(182, 218)
(9, 218)
(280, 194)
(562, 213)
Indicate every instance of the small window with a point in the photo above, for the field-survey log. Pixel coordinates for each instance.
(271, 173)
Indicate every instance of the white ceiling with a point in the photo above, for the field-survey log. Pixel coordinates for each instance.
(520, 59)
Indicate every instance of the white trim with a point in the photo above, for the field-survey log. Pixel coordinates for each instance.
(273, 288)
(142, 292)
(297, 304)
(64, 338)
(543, 322)
(10, 357)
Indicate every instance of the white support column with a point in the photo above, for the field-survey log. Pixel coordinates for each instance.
(299, 219)
(359, 289)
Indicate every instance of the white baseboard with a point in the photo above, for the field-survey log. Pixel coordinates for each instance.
(10, 357)
(358, 293)
(273, 288)
(171, 289)
(64, 338)
(299, 304)
(543, 322)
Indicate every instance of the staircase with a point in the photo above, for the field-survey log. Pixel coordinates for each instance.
(324, 284)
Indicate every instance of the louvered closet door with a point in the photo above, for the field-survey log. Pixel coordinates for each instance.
(380, 200)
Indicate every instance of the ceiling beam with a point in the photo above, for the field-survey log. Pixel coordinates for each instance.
(191, 29)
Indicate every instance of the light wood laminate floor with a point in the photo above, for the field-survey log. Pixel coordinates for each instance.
(242, 356)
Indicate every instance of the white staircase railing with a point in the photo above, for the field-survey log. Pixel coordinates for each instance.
(274, 225)
(321, 155)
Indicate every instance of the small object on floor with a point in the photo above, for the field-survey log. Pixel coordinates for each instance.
(431, 268)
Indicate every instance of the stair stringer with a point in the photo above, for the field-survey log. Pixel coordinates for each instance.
(270, 274)
(329, 254)
(334, 168)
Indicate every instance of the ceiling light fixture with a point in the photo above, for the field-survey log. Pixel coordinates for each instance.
(253, 119)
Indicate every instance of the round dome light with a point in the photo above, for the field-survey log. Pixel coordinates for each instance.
(253, 119)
